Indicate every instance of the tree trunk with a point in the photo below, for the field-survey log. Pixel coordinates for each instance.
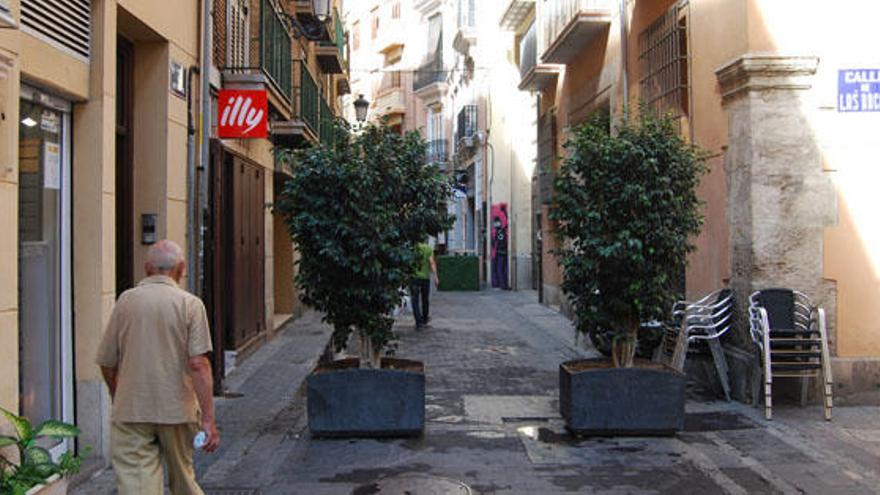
(623, 348)
(369, 354)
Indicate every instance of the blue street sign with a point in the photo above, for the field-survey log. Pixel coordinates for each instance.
(858, 90)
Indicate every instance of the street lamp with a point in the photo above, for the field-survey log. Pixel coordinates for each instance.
(360, 108)
(322, 9)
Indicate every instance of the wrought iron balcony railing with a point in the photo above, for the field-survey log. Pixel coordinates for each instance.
(467, 123)
(438, 151)
(275, 54)
(429, 73)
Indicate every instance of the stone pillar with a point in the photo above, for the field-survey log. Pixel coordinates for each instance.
(778, 199)
(94, 227)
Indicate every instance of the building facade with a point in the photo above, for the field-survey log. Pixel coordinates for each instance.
(449, 83)
(785, 116)
(100, 141)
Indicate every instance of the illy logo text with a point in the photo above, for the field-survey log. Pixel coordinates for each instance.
(242, 114)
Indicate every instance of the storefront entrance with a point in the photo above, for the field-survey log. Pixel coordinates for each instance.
(44, 262)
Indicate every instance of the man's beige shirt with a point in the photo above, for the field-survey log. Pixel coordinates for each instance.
(153, 331)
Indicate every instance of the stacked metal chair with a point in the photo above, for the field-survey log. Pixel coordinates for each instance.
(790, 333)
(704, 320)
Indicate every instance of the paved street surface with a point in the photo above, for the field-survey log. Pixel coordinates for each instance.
(491, 363)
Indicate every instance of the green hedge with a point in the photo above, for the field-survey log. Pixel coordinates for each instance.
(458, 273)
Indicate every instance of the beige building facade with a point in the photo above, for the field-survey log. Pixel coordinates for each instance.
(786, 198)
(99, 157)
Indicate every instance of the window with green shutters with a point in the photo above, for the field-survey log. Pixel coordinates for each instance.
(308, 98)
(275, 59)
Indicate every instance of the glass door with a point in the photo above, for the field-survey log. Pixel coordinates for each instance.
(45, 350)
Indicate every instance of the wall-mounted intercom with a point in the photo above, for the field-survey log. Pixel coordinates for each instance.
(148, 228)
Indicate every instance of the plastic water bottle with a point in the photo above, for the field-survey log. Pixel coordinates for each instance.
(200, 440)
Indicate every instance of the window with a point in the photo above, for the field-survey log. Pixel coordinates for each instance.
(663, 63)
(374, 23)
(356, 35)
(395, 10)
(237, 33)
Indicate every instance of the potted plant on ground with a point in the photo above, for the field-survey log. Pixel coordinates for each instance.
(626, 209)
(30, 469)
(356, 210)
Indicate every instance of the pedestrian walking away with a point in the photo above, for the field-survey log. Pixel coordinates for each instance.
(420, 286)
(153, 357)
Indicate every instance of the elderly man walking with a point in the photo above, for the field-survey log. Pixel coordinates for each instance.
(153, 358)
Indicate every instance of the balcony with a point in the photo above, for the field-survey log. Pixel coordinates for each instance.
(331, 54)
(275, 54)
(516, 13)
(429, 82)
(303, 127)
(466, 36)
(467, 125)
(438, 151)
(534, 76)
(570, 25)
(391, 97)
(325, 127)
(391, 37)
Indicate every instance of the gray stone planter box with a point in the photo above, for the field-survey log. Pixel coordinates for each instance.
(597, 399)
(345, 401)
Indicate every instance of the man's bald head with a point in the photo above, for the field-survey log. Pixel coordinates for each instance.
(165, 258)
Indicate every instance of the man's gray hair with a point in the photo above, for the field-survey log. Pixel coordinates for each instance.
(164, 256)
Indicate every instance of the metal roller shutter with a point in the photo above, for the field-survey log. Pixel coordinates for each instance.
(66, 23)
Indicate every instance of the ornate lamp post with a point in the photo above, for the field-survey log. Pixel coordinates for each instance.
(360, 108)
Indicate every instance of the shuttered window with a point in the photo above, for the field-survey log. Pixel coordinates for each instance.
(4, 7)
(237, 34)
(65, 23)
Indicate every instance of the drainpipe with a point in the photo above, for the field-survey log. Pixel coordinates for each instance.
(192, 231)
(204, 137)
(624, 62)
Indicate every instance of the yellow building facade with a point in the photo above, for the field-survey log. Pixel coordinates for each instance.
(787, 195)
(100, 141)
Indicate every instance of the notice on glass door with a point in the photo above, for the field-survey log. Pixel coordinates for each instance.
(51, 166)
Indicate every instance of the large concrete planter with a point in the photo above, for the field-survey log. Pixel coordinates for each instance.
(597, 399)
(55, 485)
(345, 401)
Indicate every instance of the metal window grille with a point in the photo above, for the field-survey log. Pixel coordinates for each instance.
(275, 59)
(547, 134)
(395, 10)
(237, 34)
(65, 23)
(308, 98)
(663, 63)
(528, 51)
(374, 24)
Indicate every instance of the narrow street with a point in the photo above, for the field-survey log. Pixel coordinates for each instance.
(492, 424)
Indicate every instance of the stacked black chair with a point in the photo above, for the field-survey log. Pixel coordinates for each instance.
(789, 331)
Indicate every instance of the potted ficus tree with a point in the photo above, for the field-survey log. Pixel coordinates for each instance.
(29, 469)
(356, 209)
(627, 211)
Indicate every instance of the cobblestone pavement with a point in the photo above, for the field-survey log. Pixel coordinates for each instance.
(491, 362)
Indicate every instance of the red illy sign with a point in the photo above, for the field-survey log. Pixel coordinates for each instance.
(242, 114)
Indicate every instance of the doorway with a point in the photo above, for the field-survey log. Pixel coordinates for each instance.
(124, 165)
(44, 262)
(236, 274)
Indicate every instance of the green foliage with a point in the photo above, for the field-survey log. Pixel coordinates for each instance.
(626, 211)
(35, 462)
(356, 209)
